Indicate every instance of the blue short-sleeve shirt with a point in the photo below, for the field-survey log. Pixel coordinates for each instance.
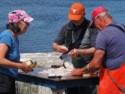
(13, 54)
(112, 41)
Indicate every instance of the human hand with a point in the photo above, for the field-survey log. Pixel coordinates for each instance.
(25, 68)
(62, 49)
(74, 53)
(77, 72)
(31, 63)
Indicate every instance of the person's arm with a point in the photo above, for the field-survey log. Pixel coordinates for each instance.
(9, 64)
(90, 36)
(55, 47)
(96, 62)
(94, 65)
(86, 51)
(93, 32)
(80, 52)
(59, 48)
(60, 40)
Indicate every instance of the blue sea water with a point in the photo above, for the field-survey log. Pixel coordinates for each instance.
(49, 16)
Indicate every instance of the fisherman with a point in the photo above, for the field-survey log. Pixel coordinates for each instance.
(79, 38)
(109, 54)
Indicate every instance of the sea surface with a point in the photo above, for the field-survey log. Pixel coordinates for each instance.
(49, 16)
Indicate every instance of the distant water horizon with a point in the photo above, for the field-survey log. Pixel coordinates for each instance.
(49, 16)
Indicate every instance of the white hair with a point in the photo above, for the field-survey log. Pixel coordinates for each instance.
(105, 14)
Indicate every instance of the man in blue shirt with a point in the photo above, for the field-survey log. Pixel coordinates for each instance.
(109, 55)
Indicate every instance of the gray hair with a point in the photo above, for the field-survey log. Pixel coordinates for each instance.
(106, 14)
